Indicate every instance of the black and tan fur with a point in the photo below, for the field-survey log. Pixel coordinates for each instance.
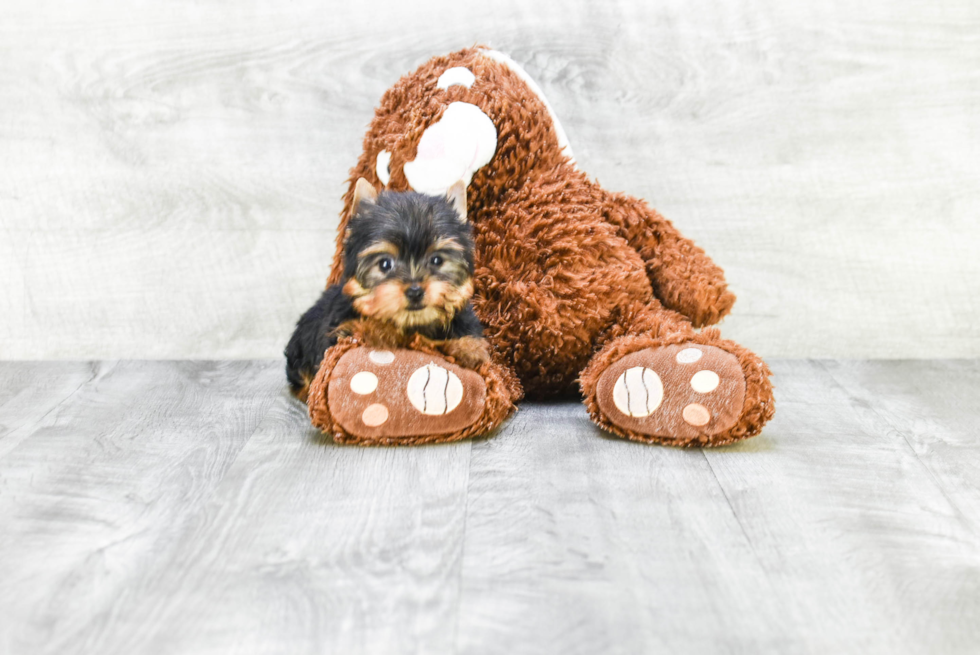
(408, 269)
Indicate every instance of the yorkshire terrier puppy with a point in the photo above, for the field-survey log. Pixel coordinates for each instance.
(408, 269)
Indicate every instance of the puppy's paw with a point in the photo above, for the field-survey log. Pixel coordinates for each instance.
(376, 334)
(468, 352)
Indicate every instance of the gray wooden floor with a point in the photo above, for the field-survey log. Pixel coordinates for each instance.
(187, 507)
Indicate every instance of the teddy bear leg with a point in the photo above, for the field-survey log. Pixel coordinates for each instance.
(674, 386)
(683, 276)
(399, 396)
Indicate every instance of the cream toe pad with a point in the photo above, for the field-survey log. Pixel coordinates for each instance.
(364, 383)
(705, 381)
(689, 356)
(433, 390)
(381, 356)
(638, 392)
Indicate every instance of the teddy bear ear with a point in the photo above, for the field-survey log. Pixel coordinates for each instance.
(364, 191)
(457, 197)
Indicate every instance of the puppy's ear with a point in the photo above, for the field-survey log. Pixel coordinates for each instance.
(457, 198)
(363, 192)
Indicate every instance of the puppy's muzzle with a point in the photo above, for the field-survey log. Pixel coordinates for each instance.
(415, 294)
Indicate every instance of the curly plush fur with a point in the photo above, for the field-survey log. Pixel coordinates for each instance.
(569, 277)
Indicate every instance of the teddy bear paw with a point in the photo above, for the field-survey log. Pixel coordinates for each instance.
(387, 396)
(687, 391)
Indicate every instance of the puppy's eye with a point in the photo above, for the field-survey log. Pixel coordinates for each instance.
(385, 264)
(436, 261)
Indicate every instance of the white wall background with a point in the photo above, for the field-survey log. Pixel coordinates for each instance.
(170, 173)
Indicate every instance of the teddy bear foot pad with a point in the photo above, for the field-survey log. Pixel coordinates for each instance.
(384, 395)
(680, 391)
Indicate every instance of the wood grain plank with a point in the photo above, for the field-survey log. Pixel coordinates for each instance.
(862, 538)
(580, 543)
(30, 390)
(101, 487)
(307, 546)
(933, 406)
(825, 534)
(181, 507)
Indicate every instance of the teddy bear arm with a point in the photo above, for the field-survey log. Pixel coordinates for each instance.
(683, 277)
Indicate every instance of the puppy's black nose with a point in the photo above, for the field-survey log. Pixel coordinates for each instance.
(415, 293)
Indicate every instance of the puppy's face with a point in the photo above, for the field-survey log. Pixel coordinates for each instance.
(408, 260)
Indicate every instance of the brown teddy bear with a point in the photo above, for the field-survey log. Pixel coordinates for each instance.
(578, 288)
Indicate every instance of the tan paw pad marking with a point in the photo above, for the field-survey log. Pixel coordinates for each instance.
(699, 391)
(689, 356)
(696, 414)
(381, 356)
(638, 392)
(434, 390)
(364, 383)
(705, 381)
(374, 415)
(370, 398)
